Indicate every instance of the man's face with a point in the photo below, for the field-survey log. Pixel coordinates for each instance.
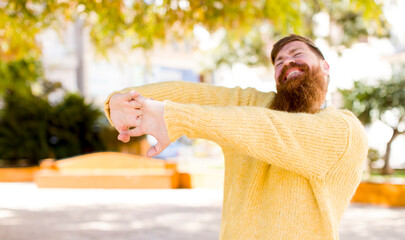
(301, 79)
(299, 53)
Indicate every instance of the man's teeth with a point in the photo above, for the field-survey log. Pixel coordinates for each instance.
(293, 73)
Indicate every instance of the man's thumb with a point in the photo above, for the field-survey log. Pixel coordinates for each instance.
(155, 150)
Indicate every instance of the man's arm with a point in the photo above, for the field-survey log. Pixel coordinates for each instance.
(198, 93)
(309, 144)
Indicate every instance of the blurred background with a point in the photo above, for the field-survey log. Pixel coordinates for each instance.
(60, 59)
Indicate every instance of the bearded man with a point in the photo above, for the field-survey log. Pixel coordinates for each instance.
(291, 163)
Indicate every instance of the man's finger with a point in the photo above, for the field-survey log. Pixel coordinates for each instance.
(131, 95)
(138, 121)
(134, 119)
(141, 99)
(121, 127)
(155, 150)
(133, 112)
(136, 132)
(124, 137)
(133, 104)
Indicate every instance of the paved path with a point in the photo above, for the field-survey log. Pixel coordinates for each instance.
(28, 213)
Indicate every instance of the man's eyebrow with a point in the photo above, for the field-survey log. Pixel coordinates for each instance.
(289, 52)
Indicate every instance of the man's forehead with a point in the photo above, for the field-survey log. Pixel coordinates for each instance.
(292, 47)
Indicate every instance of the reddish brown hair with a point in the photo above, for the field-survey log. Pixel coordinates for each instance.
(293, 37)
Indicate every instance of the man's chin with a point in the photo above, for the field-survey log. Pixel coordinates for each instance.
(292, 83)
(291, 79)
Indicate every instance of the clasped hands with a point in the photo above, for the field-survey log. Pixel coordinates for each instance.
(134, 115)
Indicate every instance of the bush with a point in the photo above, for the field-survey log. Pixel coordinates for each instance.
(24, 122)
(74, 128)
(32, 129)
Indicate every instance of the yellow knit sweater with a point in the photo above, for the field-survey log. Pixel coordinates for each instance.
(287, 175)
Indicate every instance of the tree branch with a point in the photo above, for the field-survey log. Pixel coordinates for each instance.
(386, 123)
(401, 119)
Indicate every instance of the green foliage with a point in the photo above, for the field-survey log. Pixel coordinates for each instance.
(23, 127)
(142, 23)
(360, 100)
(373, 155)
(250, 50)
(369, 103)
(355, 19)
(73, 127)
(31, 128)
(378, 177)
(18, 75)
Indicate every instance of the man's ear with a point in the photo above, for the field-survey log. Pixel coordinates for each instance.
(325, 67)
(325, 70)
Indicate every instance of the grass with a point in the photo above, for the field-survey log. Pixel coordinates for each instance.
(397, 173)
(375, 175)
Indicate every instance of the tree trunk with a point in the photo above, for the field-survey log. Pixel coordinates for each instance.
(387, 170)
(79, 40)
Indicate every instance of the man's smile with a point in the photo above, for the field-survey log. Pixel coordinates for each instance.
(292, 72)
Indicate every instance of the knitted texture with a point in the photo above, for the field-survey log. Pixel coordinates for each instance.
(287, 175)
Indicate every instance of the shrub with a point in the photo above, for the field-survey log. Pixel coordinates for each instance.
(24, 122)
(74, 127)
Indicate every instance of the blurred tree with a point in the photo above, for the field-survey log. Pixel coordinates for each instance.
(349, 21)
(249, 50)
(346, 22)
(23, 133)
(18, 75)
(73, 128)
(140, 23)
(384, 101)
(31, 128)
(372, 156)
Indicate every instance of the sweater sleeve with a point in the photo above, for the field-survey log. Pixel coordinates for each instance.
(197, 93)
(309, 144)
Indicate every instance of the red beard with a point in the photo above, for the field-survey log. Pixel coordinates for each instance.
(302, 93)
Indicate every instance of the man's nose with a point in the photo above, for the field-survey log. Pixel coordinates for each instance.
(288, 60)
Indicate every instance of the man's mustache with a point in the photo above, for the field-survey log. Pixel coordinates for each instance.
(301, 66)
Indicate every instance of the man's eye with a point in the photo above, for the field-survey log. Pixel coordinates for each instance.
(297, 54)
